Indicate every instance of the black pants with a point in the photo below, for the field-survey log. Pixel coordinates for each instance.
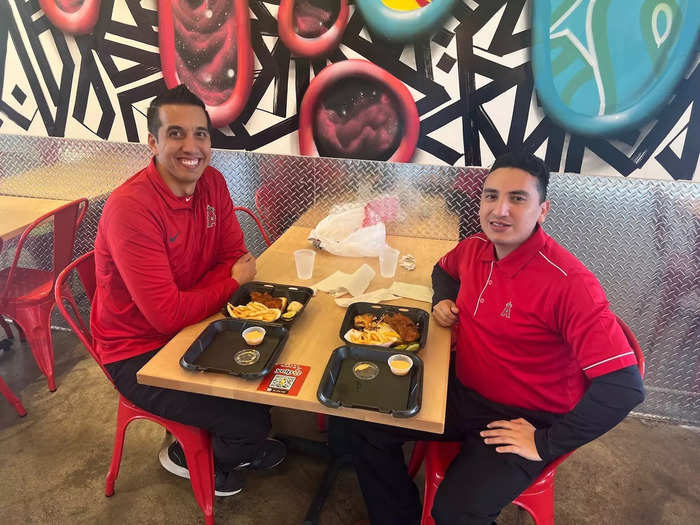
(478, 483)
(238, 428)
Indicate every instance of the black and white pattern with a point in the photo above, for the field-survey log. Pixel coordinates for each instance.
(471, 81)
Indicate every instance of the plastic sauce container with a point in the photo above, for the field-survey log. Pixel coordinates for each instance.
(400, 364)
(254, 335)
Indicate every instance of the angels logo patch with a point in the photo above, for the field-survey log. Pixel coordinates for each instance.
(506, 311)
(211, 216)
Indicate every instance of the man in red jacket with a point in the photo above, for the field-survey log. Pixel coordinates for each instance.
(541, 365)
(169, 252)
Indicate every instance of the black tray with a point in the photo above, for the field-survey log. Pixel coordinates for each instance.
(213, 350)
(399, 396)
(418, 316)
(291, 292)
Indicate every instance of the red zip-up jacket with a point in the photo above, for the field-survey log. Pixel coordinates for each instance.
(162, 262)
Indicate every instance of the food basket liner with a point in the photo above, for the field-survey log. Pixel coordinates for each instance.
(214, 348)
(399, 396)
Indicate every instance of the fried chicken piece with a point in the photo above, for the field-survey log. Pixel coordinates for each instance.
(364, 321)
(405, 327)
(268, 300)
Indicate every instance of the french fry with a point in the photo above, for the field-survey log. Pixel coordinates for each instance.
(254, 311)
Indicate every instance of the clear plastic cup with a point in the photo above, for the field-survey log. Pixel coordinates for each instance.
(304, 260)
(388, 258)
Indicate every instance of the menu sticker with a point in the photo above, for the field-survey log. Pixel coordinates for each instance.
(284, 379)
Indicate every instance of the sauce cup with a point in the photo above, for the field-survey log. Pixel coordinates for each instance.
(400, 364)
(254, 335)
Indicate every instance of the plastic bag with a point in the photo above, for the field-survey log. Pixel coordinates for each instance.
(343, 234)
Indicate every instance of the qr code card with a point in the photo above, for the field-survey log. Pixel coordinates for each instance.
(281, 383)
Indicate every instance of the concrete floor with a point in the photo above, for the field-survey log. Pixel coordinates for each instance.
(53, 464)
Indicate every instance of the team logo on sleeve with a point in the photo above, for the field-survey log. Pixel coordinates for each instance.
(211, 216)
(506, 311)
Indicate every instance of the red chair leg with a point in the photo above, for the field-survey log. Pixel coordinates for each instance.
(10, 396)
(6, 327)
(417, 457)
(196, 444)
(322, 422)
(35, 322)
(540, 505)
(124, 416)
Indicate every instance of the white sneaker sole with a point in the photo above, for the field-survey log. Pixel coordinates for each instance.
(230, 493)
(170, 466)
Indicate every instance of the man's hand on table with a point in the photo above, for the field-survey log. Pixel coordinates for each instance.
(446, 312)
(243, 270)
(516, 436)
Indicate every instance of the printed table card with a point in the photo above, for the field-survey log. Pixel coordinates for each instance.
(284, 379)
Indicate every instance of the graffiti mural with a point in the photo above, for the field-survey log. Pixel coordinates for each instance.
(597, 76)
(470, 79)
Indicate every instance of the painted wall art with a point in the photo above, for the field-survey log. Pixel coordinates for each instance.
(604, 87)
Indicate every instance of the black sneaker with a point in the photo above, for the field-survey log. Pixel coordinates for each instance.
(172, 457)
(272, 453)
(228, 483)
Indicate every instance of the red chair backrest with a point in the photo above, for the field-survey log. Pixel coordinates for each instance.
(84, 266)
(257, 221)
(66, 220)
(632, 340)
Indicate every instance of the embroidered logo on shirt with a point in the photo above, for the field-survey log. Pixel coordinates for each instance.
(506, 311)
(172, 239)
(211, 216)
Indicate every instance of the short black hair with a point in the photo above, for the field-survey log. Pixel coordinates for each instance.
(526, 161)
(178, 96)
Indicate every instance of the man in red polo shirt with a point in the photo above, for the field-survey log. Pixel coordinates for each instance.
(541, 365)
(169, 252)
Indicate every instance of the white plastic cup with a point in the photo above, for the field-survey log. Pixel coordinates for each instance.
(388, 258)
(304, 260)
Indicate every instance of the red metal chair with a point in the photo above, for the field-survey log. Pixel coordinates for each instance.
(4, 389)
(257, 221)
(7, 394)
(537, 499)
(27, 294)
(196, 443)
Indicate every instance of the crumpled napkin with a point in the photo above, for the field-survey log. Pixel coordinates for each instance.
(397, 289)
(377, 296)
(417, 292)
(340, 283)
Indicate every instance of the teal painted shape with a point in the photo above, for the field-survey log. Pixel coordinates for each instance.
(604, 66)
(404, 26)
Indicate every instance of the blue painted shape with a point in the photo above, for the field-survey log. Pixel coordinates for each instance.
(404, 26)
(605, 66)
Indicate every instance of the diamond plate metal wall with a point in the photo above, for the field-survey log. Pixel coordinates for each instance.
(641, 238)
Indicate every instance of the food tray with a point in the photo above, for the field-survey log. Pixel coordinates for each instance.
(418, 316)
(291, 292)
(399, 396)
(214, 349)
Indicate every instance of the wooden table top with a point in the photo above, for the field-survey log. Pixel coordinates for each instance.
(16, 213)
(315, 335)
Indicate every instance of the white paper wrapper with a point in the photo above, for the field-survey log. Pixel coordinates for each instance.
(417, 292)
(376, 296)
(341, 283)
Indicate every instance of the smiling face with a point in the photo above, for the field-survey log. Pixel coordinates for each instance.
(182, 148)
(510, 208)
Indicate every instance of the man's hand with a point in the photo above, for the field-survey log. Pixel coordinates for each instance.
(517, 435)
(243, 269)
(445, 312)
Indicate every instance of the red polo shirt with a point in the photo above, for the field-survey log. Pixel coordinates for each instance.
(163, 262)
(533, 327)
